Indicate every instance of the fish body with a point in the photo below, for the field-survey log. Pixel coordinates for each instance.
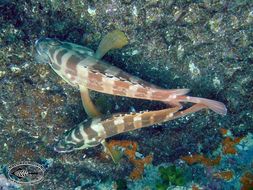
(83, 68)
(78, 66)
(92, 132)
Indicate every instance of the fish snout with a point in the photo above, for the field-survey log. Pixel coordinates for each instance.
(39, 45)
(61, 150)
(62, 147)
(43, 44)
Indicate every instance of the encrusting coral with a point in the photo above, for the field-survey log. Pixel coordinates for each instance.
(130, 152)
(193, 159)
(228, 145)
(247, 181)
(226, 175)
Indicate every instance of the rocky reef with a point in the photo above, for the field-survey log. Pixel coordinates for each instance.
(206, 46)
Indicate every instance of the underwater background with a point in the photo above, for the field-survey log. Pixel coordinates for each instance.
(206, 46)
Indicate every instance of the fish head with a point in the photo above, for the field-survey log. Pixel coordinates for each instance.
(67, 144)
(47, 52)
(63, 57)
(78, 138)
(43, 47)
(64, 146)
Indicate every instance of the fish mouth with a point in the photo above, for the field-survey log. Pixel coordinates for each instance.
(37, 45)
(59, 150)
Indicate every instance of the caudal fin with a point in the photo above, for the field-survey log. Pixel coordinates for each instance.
(216, 106)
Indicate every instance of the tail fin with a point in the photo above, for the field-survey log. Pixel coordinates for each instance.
(216, 106)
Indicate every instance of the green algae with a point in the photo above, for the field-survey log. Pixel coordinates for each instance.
(171, 175)
(171, 38)
(121, 184)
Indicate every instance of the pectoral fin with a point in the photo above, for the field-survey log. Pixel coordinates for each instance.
(113, 40)
(88, 105)
(116, 155)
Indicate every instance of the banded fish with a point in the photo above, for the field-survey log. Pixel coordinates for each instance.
(83, 68)
(93, 132)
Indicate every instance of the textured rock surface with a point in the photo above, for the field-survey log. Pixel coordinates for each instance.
(204, 46)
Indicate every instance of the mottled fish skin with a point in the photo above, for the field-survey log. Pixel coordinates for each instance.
(78, 67)
(92, 132)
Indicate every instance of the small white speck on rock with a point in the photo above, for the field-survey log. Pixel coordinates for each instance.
(92, 11)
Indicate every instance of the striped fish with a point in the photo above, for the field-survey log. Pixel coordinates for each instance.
(81, 67)
(94, 131)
